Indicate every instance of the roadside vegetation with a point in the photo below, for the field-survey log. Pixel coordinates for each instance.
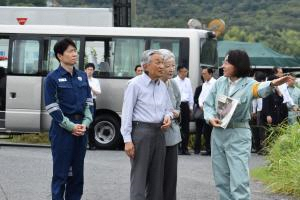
(282, 172)
(34, 138)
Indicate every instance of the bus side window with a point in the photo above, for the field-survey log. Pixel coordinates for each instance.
(170, 44)
(50, 62)
(125, 54)
(4, 43)
(25, 57)
(95, 53)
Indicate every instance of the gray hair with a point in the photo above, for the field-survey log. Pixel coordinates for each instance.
(146, 56)
(167, 54)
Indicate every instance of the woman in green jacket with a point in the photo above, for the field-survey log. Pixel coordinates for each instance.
(231, 146)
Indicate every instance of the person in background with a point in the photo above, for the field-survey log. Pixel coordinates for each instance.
(273, 112)
(69, 102)
(294, 104)
(231, 147)
(278, 72)
(172, 134)
(138, 70)
(186, 106)
(199, 122)
(209, 81)
(146, 113)
(94, 84)
(256, 121)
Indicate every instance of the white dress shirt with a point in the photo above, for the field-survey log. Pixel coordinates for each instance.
(94, 85)
(186, 90)
(256, 105)
(285, 93)
(206, 88)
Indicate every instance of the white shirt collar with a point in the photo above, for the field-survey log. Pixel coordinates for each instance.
(211, 80)
(233, 83)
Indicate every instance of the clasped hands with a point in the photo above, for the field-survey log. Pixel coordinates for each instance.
(79, 130)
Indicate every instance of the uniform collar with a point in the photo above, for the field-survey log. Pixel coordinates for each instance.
(238, 84)
(63, 72)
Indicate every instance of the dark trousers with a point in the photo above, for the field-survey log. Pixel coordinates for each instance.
(184, 125)
(207, 133)
(199, 131)
(68, 152)
(170, 174)
(147, 166)
(258, 132)
(91, 131)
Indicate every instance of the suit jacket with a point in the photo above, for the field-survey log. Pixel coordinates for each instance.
(197, 94)
(273, 106)
(172, 134)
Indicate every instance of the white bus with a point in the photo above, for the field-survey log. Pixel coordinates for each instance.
(26, 56)
(14, 15)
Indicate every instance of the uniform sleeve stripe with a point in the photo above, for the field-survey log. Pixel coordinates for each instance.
(52, 105)
(255, 90)
(89, 103)
(53, 109)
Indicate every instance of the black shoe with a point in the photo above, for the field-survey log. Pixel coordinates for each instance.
(196, 152)
(206, 153)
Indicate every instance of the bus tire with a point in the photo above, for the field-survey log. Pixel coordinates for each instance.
(106, 132)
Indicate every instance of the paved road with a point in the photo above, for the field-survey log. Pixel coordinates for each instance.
(25, 174)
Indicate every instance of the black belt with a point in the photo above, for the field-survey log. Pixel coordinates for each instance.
(74, 116)
(146, 124)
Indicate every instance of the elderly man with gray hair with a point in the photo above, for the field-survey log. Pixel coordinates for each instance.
(146, 113)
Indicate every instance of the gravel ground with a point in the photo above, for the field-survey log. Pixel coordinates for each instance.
(25, 174)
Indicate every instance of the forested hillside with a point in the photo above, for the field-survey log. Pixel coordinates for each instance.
(273, 22)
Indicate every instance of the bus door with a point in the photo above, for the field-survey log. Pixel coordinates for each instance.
(4, 46)
(24, 85)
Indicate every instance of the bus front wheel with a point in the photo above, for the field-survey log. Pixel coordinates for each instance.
(107, 132)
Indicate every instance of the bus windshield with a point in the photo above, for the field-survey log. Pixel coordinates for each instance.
(208, 53)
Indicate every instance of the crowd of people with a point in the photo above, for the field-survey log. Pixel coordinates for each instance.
(157, 109)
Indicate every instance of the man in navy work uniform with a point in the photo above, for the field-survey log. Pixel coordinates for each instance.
(68, 100)
(147, 111)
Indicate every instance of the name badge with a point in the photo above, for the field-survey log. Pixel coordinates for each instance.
(79, 78)
(62, 80)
